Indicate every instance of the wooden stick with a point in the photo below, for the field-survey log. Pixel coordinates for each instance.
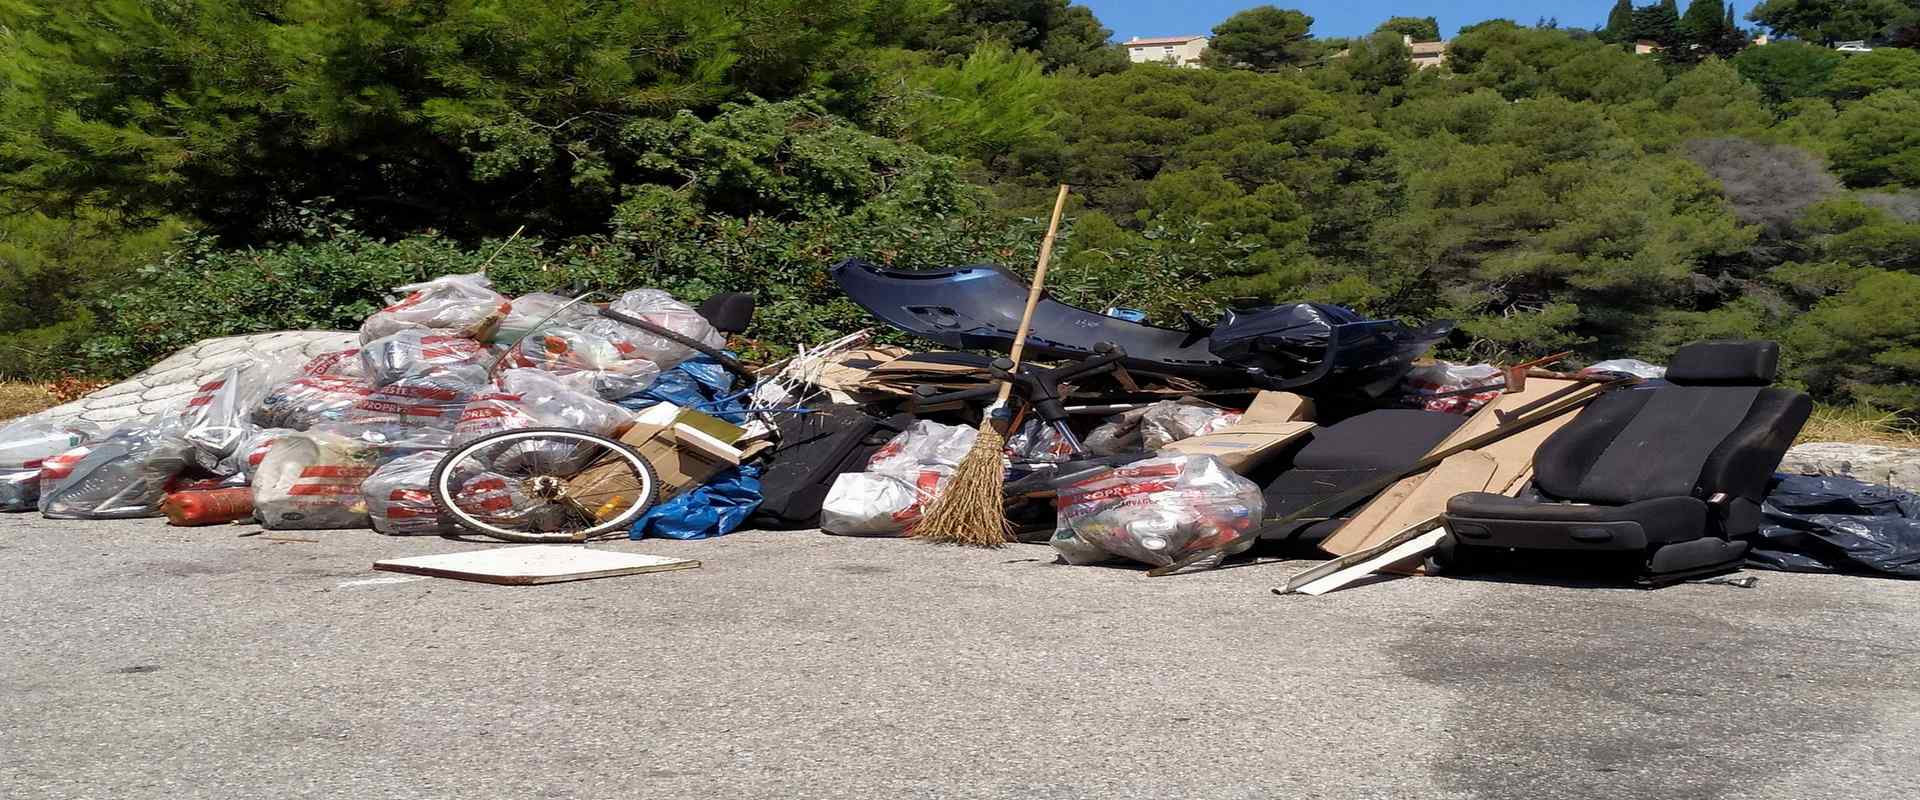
(1033, 294)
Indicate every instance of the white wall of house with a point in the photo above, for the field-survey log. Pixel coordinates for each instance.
(1177, 50)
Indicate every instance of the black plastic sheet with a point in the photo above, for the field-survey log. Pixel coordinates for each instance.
(1835, 524)
(1332, 346)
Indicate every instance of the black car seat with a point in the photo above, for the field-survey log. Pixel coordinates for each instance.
(1346, 454)
(1663, 475)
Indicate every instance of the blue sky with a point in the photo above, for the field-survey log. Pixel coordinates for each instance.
(1345, 17)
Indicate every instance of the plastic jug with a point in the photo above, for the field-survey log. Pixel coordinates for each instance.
(208, 506)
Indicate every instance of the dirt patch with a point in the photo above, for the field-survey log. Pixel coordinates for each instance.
(21, 399)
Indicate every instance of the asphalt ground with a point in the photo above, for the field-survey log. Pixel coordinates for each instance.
(140, 661)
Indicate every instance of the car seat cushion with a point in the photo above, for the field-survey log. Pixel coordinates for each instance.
(1482, 518)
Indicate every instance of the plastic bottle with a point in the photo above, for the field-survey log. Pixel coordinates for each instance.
(208, 506)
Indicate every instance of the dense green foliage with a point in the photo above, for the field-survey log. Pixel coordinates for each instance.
(1262, 38)
(1059, 33)
(198, 167)
(1829, 21)
(1422, 29)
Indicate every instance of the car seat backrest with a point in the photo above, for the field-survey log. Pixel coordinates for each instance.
(1386, 438)
(1695, 436)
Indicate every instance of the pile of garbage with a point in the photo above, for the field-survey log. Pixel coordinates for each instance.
(350, 439)
(1303, 428)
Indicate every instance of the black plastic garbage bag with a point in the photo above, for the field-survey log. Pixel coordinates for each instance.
(1834, 524)
(1331, 346)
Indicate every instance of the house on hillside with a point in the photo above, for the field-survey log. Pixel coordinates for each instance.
(1422, 54)
(1427, 54)
(1646, 47)
(1180, 51)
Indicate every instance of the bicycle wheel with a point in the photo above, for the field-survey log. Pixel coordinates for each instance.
(545, 485)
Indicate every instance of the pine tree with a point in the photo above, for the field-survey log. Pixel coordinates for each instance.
(1702, 28)
(1732, 39)
(1619, 22)
(1659, 23)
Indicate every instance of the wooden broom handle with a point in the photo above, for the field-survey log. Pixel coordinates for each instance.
(1034, 292)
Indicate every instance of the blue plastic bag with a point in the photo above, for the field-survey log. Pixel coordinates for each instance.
(698, 383)
(715, 509)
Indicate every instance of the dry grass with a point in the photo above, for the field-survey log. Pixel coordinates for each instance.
(21, 399)
(1859, 424)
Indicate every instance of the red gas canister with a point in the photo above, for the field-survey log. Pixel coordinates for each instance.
(208, 506)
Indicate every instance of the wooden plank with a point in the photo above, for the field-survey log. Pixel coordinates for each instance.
(533, 564)
(1348, 537)
(1409, 542)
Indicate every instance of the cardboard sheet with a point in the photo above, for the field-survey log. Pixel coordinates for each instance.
(533, 564)
(1271, 422)
(1244, 445)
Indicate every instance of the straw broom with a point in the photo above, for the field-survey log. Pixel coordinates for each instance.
(971, 511)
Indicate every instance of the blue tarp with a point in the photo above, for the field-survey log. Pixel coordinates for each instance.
(715, 509)
(698, 383)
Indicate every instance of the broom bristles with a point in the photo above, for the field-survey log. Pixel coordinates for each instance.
(970, 512)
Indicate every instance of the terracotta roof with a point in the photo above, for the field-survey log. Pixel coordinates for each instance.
(1151, 40)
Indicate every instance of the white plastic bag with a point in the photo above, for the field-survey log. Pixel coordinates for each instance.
(338, 364)
(19, 489)
(659, 308)
(501, 501)
(450, 305)
(56, 469)
(877, 504)
(246, 457)
(901, 478)
(530, 398)
(579, 354)
(310, 400)
(433, 400)
(1117, 435)
(218, 417)
(25, 448)
(1169, 421)
(122, 476)
(1039, 442)
(541, 312)
(412, 354)
(312, 481)
(1155, 511)
(1627, 366)
(400, 501)
(1441, 377)
(25, 443)
(926, 445)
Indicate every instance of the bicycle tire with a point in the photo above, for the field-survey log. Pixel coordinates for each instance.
(443, 492)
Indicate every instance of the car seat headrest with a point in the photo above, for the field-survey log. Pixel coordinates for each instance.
(1725, 363)
(729, 312)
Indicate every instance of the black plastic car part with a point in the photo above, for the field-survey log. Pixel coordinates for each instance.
(978, 308)
(1284, 347)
